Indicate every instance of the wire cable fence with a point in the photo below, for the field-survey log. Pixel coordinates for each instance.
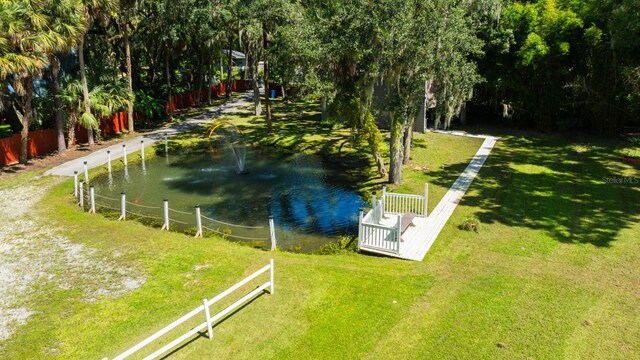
(173, 219)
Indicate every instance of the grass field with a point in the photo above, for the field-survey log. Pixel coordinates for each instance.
(554, 271)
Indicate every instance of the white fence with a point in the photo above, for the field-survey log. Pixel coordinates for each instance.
(374, 235)
(406, 203)
(379, 237)
(209, 321)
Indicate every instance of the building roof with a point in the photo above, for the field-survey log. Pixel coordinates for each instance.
(234, 54)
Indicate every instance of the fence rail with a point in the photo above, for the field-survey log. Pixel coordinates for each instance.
(380, 237)
(209, 320)
(373, 234)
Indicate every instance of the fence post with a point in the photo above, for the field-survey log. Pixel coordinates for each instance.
(399, 230)
(166, 215)
(92, 199)
(426, 199)
(272, 233)
(109, 161)
(374, 210)
(142, 149)
(123, 206)
(198, 221)
(82, 195)
(271, 276)
(86, 172)
(360, 233)
(124, 154)
(208, 318)
(75, 184)
(384, 199)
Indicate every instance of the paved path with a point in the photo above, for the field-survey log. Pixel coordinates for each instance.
(417, 240)
(99, 157)
(442, 212)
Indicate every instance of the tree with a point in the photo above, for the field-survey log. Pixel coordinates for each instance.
(93, 10)
(26, 39)
(66, 20)
(127, 10)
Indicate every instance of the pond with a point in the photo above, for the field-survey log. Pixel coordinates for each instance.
(309, 207)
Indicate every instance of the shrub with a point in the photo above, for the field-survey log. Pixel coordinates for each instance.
(343, 244)
(470, 223)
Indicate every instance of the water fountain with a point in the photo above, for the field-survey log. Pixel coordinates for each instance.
(234, 141)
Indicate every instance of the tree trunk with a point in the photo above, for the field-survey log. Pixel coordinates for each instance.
(71, 135)
(210, 82)
(85, 87)
(408, 138)
(395, 156)
(256, 89)
(55, 86)
(167, 70)
(323, 106)
(382, 170)
(267, 104)
(229, 70)
(127, 50)
(199, 84)
(26, 119)
(247, 56)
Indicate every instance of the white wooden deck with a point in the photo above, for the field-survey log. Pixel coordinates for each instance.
(417, 240)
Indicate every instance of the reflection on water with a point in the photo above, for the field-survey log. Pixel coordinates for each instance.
(307, 208)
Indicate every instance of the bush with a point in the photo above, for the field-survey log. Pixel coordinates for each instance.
(5, 131)
(343, 244)
(470, 223)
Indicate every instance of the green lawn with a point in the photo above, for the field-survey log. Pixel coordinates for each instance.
(553, 272)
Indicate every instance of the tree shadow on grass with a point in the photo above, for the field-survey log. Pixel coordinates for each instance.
(555, 186)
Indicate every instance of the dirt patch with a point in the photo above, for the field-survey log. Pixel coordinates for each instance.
(35, 255)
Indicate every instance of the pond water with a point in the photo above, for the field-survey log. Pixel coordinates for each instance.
(308, 209)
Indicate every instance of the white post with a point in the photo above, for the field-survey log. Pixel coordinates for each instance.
(426, 199)
(198, 221)
(374, 209)
(399, 234)
(82, 194)
(142, 149)
(123, 206)
(360, 233)
(272, 287)
(166, 144)
(109, 160)
(86, 172)
(166, 215)
(384, 199)
(92, 199)
(124, 154)
(272, 233)
(208, 318)
(75, 184)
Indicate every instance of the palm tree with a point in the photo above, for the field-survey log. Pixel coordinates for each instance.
(100, 10)
(105, 99)
(66, 19)
(25, 40)
(127, 7)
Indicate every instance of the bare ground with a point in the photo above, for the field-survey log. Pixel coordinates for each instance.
(34, 254)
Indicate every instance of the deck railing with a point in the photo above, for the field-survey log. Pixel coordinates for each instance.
(406, 203)
(379, 237)
(373, 235)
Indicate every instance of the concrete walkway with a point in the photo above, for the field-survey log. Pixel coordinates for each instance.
(442, 212)
(99, 157)
(417, 239)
